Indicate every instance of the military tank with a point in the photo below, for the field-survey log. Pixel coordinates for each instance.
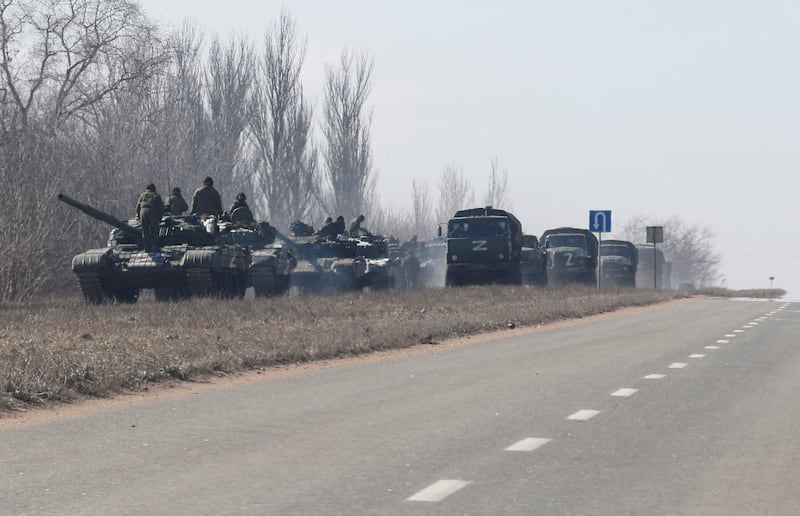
(188, 262)
(325, 265)
(382, 259)
(271, 264)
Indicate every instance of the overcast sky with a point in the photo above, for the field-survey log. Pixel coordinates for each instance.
(688, 108)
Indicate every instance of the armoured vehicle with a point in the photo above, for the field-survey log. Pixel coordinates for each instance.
(382, 260)
(619, 260)
(533, 261)
(646, 277)
(571, 256)
(325, 265)
(271, 264)
(187, 263)
(483, 246)
(432, 256)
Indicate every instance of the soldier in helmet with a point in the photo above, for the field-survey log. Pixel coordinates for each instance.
(338, 226)
(355, 226)
(243, 214)
(176, 204)
(206, 199)
(149, 209)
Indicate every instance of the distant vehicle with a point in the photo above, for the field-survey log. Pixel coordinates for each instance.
(484, 245)
(571, 256)
(644, 272)
(686, 285)
(619, 260)
(534, 261)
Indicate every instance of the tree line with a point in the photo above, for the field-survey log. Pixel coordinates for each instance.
(96, 101)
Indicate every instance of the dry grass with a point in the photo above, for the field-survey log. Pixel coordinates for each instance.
(767, 293)
(62, 350)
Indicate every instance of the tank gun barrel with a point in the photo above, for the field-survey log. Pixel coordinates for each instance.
(102, 216)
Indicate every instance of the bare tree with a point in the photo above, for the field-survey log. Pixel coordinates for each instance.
(423, 222)
(455, 193)
(497, 191)
(58, 57)
(689, 247)
(348, 148)
(283, 159)
(229, 79)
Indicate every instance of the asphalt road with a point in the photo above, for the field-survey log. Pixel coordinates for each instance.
(687, 408)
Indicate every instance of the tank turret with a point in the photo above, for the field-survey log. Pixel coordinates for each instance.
(129, 230)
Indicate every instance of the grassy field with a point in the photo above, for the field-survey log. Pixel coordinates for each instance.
(62, 350)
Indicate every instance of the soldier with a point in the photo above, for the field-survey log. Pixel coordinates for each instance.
(149, 210)
(206, 199)
(338, 226)
(355, 226)
(243, 214)
(176, 204)
(328, 230)
(240, 202)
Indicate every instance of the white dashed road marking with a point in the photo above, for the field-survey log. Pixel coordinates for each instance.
(746, 326)
(438, 491)
(697, 355)
(528, 444)
(712, 347)
(730, 335)
(655, 376)
(583, 415)
(678, 365)
(738, 331)
(722, 341)
(624, 392)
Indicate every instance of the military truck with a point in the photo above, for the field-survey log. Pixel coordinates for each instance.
(533, 261)
(571, 256)
(619, 260)
(646, 277)
(188, 261)
(484, 245)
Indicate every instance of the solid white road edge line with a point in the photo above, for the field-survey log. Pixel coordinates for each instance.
(438, 491)
(529, 444)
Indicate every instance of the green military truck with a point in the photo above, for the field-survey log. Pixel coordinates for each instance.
(571, 256)
(484, 245)
(619, 260)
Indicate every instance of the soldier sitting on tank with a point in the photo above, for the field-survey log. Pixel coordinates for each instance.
(176, 204)
(354, 229)
(206, 200)
(240, 211)
(338, 226)
(328, 230)
(149, 210)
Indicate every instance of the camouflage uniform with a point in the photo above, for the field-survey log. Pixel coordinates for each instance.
(176, 203)
(355, 226)
(206, 199)
(149, 209)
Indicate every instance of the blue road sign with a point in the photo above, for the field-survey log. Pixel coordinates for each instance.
(600, 221)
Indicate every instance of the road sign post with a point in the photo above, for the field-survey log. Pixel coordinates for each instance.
(655, 235)
(599, 222)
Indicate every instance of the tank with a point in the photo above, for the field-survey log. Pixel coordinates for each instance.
(382, 260)
(325, 265)
(271, 264)
(188, 261)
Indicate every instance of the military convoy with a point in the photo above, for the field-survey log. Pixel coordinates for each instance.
(224, 256)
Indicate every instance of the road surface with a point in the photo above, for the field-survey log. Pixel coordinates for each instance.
(684, 408)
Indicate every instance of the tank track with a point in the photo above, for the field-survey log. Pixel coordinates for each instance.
(91, 287)
(201, 282)
(263, 282)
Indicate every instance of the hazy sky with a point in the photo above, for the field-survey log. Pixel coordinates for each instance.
(688, 108)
